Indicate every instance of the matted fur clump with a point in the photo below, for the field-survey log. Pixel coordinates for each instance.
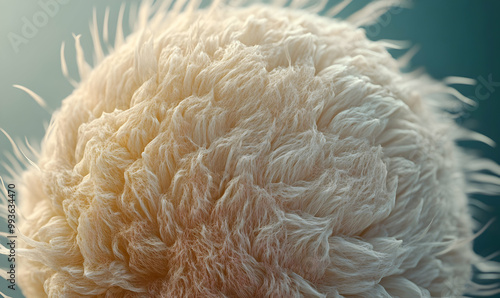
(247, 152)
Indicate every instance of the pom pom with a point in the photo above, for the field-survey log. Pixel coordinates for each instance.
(252, 151)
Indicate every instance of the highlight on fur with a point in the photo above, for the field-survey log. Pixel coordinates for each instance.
(246, 150)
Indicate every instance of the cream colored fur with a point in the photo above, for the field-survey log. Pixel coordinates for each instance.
(247, 152)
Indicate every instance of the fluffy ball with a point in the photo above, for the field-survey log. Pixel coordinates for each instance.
(246, 152)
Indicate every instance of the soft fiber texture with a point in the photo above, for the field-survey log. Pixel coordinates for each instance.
(246, 152)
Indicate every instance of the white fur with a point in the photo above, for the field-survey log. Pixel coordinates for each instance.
(246, 152)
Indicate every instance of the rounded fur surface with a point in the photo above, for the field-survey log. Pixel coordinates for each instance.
(247, 152)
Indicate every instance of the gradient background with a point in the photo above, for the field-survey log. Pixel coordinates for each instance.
(457, 38)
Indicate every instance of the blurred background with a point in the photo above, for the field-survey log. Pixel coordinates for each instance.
(456, 38)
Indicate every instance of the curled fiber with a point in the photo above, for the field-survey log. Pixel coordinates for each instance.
(250, 151)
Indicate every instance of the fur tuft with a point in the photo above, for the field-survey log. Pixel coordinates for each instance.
(253, 151)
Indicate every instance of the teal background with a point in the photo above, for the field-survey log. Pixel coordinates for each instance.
(461, 38)
(457, 38)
